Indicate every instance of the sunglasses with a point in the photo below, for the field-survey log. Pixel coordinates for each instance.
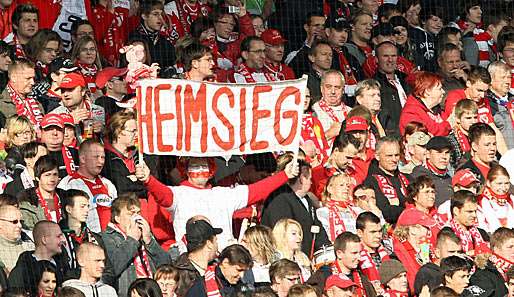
(14, 222)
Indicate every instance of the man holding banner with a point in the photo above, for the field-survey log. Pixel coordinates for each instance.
(197, 119)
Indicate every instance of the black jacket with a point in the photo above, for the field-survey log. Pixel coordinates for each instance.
(390, 98)
(429, 274)
(24, 275)
(424, 49)
(487, 282)
(390, 212)
(187, 274)
(57, 155)
(161, 50)
(226, 289)
(283, 203)
(300, 62)
(16, 187)
(70, 258)
(117, 172)
(314, 86)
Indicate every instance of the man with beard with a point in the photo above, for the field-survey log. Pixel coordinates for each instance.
(253, 52)
(274, 55)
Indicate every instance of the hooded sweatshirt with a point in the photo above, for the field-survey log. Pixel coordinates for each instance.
(98, 289)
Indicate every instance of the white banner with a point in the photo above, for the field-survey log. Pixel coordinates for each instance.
(187, 118)
(71, 11)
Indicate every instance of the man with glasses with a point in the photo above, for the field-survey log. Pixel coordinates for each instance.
(198, 63)
(253, 52)
(100, 190)
(284, 274)
(89, 118)
(275, 54)
(112, 82)
(13, 241)
(49, 241)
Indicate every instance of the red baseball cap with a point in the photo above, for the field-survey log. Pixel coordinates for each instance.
(336, 281)
(464, 177)
(273, 37)
(72, 80)
(107, 74)
(52, 119)
(67, 119)
(356, 124)
(412, 216)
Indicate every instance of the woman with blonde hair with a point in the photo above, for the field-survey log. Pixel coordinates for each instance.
(259, 241)
(288, 236)
(337, 214)
(19, 131)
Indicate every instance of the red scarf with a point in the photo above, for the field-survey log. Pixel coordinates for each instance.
(211, 285)
(247, 73)
(98, 189)
(434, 170)
(46, 210)
(388, 190)
(394, 293)
(368, 265)
(409, 258)
(312, 130)
(275, 70)
(68, 160)
(502, 265)
(28, 106)
(141, 262)
(470, 240)
(345, 66)
(485, 115)
(89, 72)
(42, 67)
(330, 111)
(19, 51)
(335, 220)
(357, 279)
(502, 200)
(463, 140)
(188, 14)
(80, 238)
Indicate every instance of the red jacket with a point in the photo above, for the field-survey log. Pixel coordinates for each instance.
(231, 49)
(485, 114)
(416, 111)
(5, 20)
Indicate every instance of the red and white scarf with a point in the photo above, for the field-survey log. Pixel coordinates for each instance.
(19, 52)
(46, 210)
(388, 189)
(211, 285)
(496, 210)
(141, 262)
(67, 157)
(28, 106)
(101, 196)
(189, 13)
(485, 115)
(331, 113)
(463, 140)
(275, 70)
(368, 265)
(357, 279)
(335, 220)
(471, 239)
(247, 73)
(312, 130)
(43, 67)
(502, 265)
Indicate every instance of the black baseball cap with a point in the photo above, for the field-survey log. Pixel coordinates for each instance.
(384, 29)
(62, 64)
(338, 23)
(438, 143)
(198, 232)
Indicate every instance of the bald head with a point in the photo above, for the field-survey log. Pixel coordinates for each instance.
(87, 249)
(91, 259)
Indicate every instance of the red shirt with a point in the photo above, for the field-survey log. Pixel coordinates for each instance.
(485, 114)
(484, 169)
(5, 20)
(360, 166)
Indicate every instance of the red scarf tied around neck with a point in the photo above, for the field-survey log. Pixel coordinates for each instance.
(471, 240)
(356, 279)
(368, 265)
(502, 265)
(211, 285)
(28, 106)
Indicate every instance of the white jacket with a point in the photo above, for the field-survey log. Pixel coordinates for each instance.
(97, 290)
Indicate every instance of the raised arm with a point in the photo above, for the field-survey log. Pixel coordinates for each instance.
(163, 194)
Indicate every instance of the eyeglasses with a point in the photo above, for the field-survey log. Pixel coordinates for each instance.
(227, 23)
(24, 133)
(89, 50)
(293, 279)
(14, 222)
(259, 52)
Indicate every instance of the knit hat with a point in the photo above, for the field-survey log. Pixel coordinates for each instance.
(389, 270)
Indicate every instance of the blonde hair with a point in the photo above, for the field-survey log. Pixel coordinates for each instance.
(17, 124)
(401, 232)
(260, 238)
(117, 123)
(326, 195)
(280, 236)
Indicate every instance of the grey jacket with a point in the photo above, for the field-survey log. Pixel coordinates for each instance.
(443, 184)
(122, 251)
(99, 289)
